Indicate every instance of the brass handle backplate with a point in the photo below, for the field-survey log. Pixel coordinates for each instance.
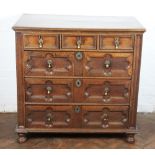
(40, 41)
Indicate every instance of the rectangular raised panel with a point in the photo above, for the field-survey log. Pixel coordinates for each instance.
(48, 117)
(88, 42)
(117, 42)
(48, 63)
(48, 90)
(108, 64)
(105, 117)
(41, 41)
(103, 91)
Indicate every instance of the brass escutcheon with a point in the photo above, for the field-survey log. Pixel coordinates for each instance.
(79, 55)
(78, 83)
(77, 109)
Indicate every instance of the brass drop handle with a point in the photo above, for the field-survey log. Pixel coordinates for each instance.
(49, 119)
(40, 41)
(106, 91)
(107, 64)
(49, 89)
(79, 43)
(50, 63)
(117, 43)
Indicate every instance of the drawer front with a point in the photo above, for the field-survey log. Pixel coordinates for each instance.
(48, 90)
(88, 42)
(111, 117)
(41, 41)
(102, 91)
(48, 116)
(70, 117)
(117, 42)
(109, 65)
(48, 63)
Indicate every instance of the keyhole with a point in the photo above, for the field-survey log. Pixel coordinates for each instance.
(77, 109)
(78, 83)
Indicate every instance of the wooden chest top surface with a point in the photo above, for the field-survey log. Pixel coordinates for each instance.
(61, 22)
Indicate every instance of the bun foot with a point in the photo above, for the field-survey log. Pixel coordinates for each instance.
(21, 138)
(130, 138)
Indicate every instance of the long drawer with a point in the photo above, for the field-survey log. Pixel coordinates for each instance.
(100, 117)
(99, 91)
(86, 64)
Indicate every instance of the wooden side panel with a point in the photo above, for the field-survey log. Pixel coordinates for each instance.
(135, 81)
(20, 80)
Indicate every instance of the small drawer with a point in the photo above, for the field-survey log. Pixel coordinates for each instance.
(105, 117)
(102, 91)
(48, 63)
(48, 116)
(88, 42)
(41, 41)
(117, 42)
(101, 64)
(48, 90)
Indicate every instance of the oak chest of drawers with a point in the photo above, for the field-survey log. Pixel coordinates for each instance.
(77, 74)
